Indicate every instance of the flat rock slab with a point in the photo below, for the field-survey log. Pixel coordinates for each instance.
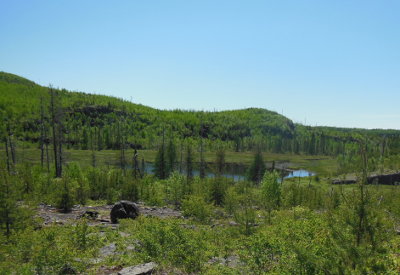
(142, 269)
(160, 212)
(108, 250)
(51, 215)
(230, 261)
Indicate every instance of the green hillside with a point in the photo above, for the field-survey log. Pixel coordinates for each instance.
(103, 121)
(56, 203)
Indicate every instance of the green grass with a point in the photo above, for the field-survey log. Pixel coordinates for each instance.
(322, 165)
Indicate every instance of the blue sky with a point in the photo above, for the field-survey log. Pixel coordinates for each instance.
(334, 63)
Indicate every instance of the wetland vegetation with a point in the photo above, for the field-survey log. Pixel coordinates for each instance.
(66, 154)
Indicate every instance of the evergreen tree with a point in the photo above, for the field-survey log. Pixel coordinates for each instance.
(135, 164)
(85, 139)
(100, 143)
(143, 168)
(7, 204)
(202, 167)
(257, 168)
(64, 199)
(271, 192)
(220, 161)
(160, 164)
(189, 162)
(171, 157)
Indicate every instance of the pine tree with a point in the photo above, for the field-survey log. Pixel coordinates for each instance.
(257, 168)
(85, 138)
(171, 157)
(189, 162)
(135, 164)
(202, 161)
(160, 164)
(220, 161)
(7, 204)
(271, 192)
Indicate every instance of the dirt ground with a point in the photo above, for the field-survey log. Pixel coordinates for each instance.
(97, 214)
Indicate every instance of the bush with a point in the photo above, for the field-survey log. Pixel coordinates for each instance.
(130, 191)
(196, 207)
(76, 179)
(166, 241)
(218, 189)
(175, 187)
(63, 196)
(231, 200)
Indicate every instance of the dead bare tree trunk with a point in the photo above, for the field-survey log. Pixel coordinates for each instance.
(47, 157)
(7, 155)
(11, 144)
(42, 132)
(56, 115)
(202, 161)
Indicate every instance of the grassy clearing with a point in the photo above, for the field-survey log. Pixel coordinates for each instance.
(322, 165)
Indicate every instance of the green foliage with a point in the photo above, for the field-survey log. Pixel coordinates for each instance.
(130, 190)
(271, 192)
(152, 192)
(197, 207)
(171, 157)
(81, 235)
(318, 236)
(220, 161)
(245, 213)
(14, 215)
(175, 188)
(189, 158)
(315, 228)
(160, 164)
(230, 200)
(75, 178)
(257, 168)
(293, 245)
(218, 189)
(64, 195)
(168, 242)
(48, 250)
(95, 120)
(361, 231)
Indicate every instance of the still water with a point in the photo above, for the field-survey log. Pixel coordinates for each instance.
(236, 172)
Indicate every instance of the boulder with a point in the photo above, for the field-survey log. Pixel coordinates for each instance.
(142, 269)
(124, 210)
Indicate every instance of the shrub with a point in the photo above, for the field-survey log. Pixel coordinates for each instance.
(196, 207)
(218, 189)
(175, 185)
(63, 196)
(166, 241)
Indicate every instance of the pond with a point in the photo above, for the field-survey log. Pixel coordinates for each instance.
(235, 171)
(299, 174)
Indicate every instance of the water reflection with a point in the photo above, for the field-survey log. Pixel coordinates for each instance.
(237, 172)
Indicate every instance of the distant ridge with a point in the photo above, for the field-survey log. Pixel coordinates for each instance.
(109, 118)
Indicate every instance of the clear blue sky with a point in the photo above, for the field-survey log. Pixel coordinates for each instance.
(334, 63)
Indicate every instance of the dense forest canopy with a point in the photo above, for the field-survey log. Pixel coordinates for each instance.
(103, 121)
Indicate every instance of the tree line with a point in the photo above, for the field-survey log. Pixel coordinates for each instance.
(96, 122)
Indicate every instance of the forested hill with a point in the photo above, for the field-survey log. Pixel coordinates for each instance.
(105, 122)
